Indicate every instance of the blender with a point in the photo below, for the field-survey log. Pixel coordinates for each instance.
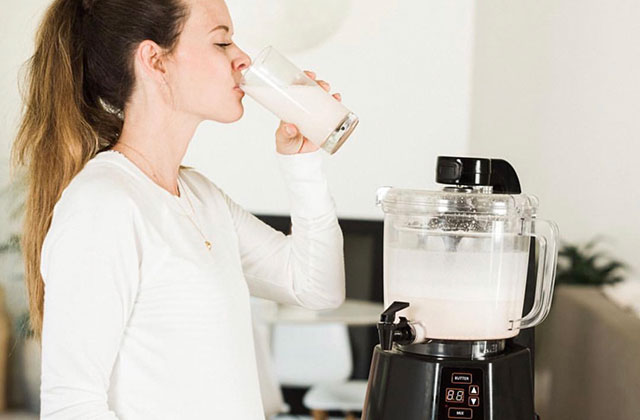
(462, 290)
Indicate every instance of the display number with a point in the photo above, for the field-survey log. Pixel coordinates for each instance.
(455, 395)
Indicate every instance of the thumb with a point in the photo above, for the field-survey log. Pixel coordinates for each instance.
(290, 130)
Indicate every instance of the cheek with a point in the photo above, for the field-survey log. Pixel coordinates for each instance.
(204, 73)
(205, 86)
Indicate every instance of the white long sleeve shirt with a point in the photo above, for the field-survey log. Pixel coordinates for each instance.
(142, 321)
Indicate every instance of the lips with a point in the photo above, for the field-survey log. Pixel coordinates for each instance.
(237, 89)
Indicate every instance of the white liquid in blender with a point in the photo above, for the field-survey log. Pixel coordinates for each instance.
(316, 113)
(458, 295)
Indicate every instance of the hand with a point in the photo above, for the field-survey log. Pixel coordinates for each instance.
(289, 140)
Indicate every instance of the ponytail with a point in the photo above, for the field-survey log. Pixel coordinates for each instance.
(54, 139)
(74, 97)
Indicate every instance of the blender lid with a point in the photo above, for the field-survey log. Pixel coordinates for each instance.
(412, 201)
(473, 172)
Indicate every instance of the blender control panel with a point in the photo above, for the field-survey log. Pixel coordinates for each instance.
(461, 394)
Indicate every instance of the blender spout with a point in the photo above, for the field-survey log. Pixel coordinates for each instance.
(389, 331)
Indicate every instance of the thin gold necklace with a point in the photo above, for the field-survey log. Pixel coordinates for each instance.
(181, 191)
(184, 191)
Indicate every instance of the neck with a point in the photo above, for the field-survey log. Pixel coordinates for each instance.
(159, 139)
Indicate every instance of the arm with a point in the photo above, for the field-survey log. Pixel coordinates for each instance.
(305, 268)
(90, 268)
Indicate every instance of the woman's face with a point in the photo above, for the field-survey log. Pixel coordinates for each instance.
(204, 70)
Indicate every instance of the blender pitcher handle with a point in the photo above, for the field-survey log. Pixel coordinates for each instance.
(546, 235)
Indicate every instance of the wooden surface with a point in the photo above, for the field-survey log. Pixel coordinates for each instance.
(18, 415)
(587, 358)
(5, 336)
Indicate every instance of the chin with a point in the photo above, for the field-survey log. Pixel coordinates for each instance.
(238, 115)
(230, 116)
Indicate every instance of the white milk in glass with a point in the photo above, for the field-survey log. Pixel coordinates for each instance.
(316, 113)
(458, 295)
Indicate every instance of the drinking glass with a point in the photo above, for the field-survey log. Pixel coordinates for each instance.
(285, 90)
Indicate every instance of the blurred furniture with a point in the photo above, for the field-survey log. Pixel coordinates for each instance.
(347, 397)
(363, 245)
(312, 349)
(352, 312)
(305, 355)
(309, 349)
(311, 355)
(587, 358)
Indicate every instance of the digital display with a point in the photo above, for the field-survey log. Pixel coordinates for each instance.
(454, 395)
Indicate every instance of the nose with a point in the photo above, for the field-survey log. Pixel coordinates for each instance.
(242, 61)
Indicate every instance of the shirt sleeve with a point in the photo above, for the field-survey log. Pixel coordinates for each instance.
(305, 268)
(90, 267)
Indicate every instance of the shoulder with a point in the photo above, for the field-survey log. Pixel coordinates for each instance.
(99, 188)
(201, 183)
(97, 209)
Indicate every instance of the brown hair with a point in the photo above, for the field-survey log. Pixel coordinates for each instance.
(77, 84)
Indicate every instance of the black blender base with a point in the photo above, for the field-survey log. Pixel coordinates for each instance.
(406, 386)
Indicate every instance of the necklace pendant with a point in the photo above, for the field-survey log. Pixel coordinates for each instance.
(208, 244)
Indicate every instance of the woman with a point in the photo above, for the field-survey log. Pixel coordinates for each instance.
(138, 269)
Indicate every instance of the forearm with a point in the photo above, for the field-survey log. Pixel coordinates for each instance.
(306, 267)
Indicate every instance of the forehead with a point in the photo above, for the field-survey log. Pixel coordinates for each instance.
(205, 15)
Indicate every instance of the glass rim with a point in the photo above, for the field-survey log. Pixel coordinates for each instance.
(259, 59)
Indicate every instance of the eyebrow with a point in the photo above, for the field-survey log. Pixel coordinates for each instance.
(225, 27)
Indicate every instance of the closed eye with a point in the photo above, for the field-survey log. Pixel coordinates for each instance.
(223, 45)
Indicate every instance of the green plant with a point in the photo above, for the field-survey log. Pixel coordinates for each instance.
(585, 264)
(13, 195)
(24, 330)
(11, 244)
(15, 192)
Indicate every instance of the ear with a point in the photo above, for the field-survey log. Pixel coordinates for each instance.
(150, 59)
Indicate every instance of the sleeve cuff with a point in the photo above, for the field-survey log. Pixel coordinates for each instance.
(306, 182)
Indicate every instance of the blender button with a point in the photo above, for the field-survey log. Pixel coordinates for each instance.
(460, 413)
(474, 390)
(474, 401)
(461, 378)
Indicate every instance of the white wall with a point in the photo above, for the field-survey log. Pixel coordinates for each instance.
(17, 30)
(556, 92)
(402, 66)
(17, 26)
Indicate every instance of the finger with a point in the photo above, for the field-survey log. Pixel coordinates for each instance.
(281, 131)
(337, 96)
(291, 130)
(287, 130)
(324, 85)
(311, 74)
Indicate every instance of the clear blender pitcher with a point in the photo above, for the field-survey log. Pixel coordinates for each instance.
(459, 257)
